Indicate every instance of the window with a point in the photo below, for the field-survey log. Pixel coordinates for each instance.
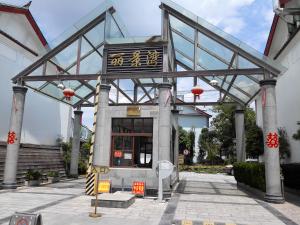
(132, 142)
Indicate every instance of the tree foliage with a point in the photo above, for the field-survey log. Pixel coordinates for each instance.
(208, 145)
(254, 141)
(224, 126)
(284, 145)
(187, 141)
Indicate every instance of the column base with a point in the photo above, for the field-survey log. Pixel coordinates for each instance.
(274, 199)
(9, 185)
(74, 176)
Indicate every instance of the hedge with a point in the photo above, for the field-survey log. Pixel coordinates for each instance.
(291, 173)
(252, 174)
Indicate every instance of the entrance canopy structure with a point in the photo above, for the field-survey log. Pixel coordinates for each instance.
(192, 48)
(97, 52)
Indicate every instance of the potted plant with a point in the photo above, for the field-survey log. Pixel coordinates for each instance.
(33, 178)
(53, 176)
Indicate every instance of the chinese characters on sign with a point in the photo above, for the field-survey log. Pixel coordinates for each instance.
(138, 188)
(11, 137)
(134, 59)
(272, 140)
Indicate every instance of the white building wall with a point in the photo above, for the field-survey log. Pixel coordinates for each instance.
(44, 119)
(287, 88)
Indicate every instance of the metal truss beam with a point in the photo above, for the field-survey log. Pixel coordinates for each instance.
(62, 46)
(177, 104)
(190, 73)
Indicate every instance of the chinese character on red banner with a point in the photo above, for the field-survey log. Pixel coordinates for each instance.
(138, 188)
(272, 140)
(11, 137)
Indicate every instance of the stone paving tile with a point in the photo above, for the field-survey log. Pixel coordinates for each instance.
(65, 203)
(216, 198)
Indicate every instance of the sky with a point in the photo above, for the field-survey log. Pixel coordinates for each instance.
(248, 20)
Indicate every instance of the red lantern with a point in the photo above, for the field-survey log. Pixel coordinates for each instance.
(197, 91)
(68, 93)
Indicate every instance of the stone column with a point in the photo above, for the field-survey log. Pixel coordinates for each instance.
(164, 127)
(164, 124)
(176, 144)
(75, 143)
(14, 137)
(271, 140)
(101, 156)
(240, 134)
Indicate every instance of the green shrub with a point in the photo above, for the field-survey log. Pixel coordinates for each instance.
(291, 173)
(252, 174)
(33, 175)
(53, 174)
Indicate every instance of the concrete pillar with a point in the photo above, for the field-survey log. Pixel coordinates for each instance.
(271, 148)
(164, 123)
(176, 144)
(14, 137)
(240, 134)
(102, 137)
(164, 127)
(75, 143)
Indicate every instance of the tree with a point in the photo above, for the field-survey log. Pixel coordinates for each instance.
(284, 145)
(208, 144)
(254, 141)
(183, 140)
(224, 126)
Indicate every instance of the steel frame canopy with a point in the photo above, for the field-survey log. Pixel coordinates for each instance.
(195, 49)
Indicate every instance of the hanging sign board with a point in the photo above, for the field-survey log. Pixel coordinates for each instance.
(104, 186)
(134, 58)
(138, 188)
(25, 219)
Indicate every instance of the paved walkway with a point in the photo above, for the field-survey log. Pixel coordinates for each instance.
(65, 203)
(199, 198)
(204, 198)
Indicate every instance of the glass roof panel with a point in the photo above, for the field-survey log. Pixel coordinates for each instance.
(67, 56)
(180, 11)
(214, 47)
(247, 85)
(184, 60)
(83, 91)
(183, 45)
(96, 35)
(73, 100)
(114, 31)
(209, 62)
(52, 90)
(93, 83)
(244, 63)
(182, 27)
(239, 95)
(91, 64)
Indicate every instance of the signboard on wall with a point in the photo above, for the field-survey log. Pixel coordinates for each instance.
(133, 111)
(134, 58)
